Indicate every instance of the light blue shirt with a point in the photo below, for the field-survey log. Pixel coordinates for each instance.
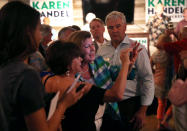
(143, 84)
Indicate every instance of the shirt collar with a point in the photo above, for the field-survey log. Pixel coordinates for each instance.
(126, 40)
(101, 44)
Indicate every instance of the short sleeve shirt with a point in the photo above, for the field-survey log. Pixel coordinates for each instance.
(22, 93)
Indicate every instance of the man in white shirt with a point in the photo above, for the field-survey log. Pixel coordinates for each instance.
(97, 30)
(139, 92)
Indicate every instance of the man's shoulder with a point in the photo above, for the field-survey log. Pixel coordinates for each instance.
(107, 44)
(131, 40)
(105, 49)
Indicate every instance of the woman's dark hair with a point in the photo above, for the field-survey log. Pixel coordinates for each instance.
(18, 22)
(59, 56)
(76, 27)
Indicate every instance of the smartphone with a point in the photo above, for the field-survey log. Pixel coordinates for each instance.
(80, 87)
(130, 55)
(74, 83)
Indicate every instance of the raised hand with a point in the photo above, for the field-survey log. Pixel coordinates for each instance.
(135, 52)
(73, 96)
(124, 55)
(138, 119)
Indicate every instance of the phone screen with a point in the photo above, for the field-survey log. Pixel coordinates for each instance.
(74, 83)
(130, 55)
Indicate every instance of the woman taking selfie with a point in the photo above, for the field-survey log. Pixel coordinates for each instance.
(64, 60)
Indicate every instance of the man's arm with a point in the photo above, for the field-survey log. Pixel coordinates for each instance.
(139, 118)
(145, 75)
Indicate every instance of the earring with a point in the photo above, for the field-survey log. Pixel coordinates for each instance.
(68, 73)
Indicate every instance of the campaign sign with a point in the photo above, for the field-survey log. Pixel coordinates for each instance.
(172, 8)
(59, 12)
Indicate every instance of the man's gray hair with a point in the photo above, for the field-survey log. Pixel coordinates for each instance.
(45, 30)
(61, 33)
(116, 15)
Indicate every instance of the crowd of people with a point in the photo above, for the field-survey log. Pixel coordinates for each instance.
(100, 84)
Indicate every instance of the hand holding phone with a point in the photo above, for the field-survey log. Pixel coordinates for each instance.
(135, 51)
(80, 87)
(74, 83)
(130, 55)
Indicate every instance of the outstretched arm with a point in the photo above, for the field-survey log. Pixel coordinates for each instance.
(144, 71)
(116, 92)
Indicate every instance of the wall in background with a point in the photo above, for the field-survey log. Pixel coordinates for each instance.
(138, 22)
(3, 2)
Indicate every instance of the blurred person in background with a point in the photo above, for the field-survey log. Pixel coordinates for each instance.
(161, 64)
(46, 38)
(178, 97)
(157, 25)
(89, 17)
(181, 24)
(97, 29)
(65, 32)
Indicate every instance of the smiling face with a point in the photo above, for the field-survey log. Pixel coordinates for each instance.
(76, 65)
(88, 49)
(116, 29)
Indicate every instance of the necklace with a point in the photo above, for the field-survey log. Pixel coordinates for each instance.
(85, 69)
(85, 72)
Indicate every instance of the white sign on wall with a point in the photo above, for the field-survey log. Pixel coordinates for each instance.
(142, 40)
(172, 8)
(60, 12)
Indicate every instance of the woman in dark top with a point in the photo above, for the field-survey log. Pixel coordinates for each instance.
(65, 62)
(21, 89)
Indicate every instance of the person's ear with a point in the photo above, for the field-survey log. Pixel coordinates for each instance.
(125, 26)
